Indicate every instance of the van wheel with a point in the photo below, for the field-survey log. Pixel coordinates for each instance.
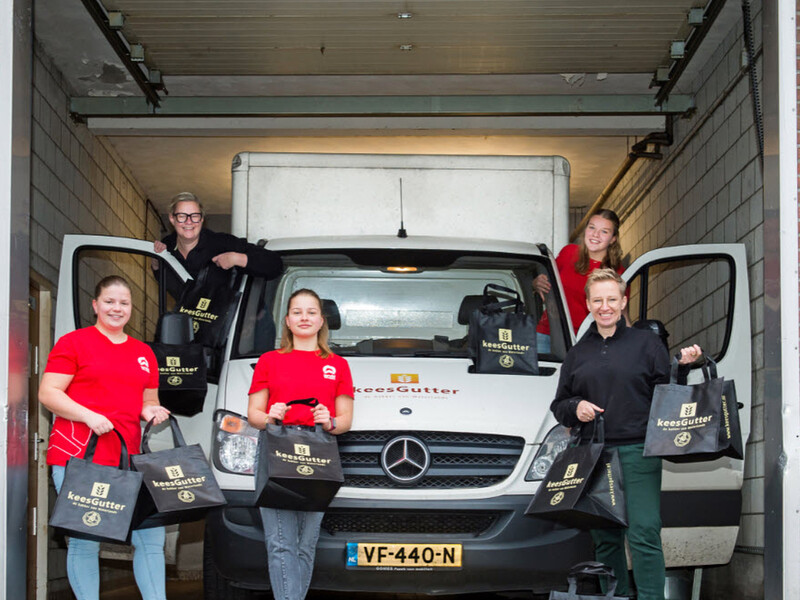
(216, 587)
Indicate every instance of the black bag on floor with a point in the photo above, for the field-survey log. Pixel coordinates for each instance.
(179, 485)
(589, 569)
(584, 486)
(97, 502)
(210, 306)
(298, 466)
(502, 341)
(685, 420)
(182, 383)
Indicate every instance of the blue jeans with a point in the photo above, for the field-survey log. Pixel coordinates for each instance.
(291, 538)
(542, 343)
(83, 565)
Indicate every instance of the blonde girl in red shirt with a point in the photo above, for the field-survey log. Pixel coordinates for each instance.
(303, 367)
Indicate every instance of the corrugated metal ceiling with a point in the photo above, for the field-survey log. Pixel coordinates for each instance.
(364, 37)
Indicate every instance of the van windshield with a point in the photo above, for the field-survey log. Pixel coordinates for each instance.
(393, 303)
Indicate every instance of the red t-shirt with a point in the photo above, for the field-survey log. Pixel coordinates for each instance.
(574, 284)
(302, 374)
(109, 379)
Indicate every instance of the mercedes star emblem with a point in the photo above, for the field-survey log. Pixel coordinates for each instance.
(405, 459)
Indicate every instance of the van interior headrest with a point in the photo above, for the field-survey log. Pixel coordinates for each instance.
(654, 326)
(331, 313)
(174, 328)
(469, 305)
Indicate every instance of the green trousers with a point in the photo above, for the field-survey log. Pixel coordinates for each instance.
(642, 479)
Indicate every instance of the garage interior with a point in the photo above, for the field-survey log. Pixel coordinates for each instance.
(654, 103)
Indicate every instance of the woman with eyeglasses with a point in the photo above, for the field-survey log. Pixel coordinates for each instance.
(195, 247)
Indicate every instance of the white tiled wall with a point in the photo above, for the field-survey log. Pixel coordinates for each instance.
(79, 184)
(712, 192)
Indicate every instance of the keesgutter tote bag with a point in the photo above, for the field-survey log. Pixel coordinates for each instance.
(584, 486)
(179, 485)
(97, 502)
(182, 383)
(502, 341)
(298, 466)
(685, 420)
(210, 306)
(730, 429)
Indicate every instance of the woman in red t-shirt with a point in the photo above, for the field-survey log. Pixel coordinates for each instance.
(97, 379)
(303, 367)
(598, 246)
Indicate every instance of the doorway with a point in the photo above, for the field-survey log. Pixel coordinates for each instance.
(40, 342)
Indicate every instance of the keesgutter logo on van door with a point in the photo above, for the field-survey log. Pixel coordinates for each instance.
(409, 386)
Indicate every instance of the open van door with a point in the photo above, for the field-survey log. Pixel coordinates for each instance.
(701, 295)
(156, 281)
(86, 259)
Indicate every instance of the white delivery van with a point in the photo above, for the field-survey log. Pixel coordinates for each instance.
(441, 462)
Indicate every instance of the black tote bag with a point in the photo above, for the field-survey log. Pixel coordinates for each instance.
(298, 466)
(97, 502)
(685, 420)
(584, 486)
(210, 306)
(179, 485)
(730, 430)
(585, 570)
(182, 383)
(502, 341)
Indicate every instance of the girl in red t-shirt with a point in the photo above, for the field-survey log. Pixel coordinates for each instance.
(303, 367)
(97, 379)
(598, 246)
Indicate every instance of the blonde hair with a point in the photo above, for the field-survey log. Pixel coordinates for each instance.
(287, 339)
(613, 258)
(599, 275)
(185, 197)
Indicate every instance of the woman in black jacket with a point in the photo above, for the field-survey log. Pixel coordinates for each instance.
(613, 370)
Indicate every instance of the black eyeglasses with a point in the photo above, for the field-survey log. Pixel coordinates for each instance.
(193, 217)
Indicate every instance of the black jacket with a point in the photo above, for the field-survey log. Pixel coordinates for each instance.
(260, 261)
(617, 373)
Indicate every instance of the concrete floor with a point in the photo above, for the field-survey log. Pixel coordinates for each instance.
(193, 590)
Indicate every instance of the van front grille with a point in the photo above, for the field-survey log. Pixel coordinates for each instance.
(457, 460)
(400, 522)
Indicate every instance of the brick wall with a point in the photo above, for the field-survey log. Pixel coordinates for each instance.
(708, 189)
(80, 185)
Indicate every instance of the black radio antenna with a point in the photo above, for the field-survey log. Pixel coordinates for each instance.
(401, 233)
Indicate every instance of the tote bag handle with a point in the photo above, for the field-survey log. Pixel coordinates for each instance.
(709, 369)
(91, 446)
(177, 436)
(490, 306)
(598, 431)
(202, 276)
(310, 402)
(592, 569)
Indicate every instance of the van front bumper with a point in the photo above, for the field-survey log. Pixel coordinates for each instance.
(502, 549)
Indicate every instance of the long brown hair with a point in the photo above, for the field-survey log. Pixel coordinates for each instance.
(287, 339)
(613, 258)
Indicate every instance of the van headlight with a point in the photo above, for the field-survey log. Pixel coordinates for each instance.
(554, 443)
(235, 443)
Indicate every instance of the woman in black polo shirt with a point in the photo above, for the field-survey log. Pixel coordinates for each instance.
(613, 370)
